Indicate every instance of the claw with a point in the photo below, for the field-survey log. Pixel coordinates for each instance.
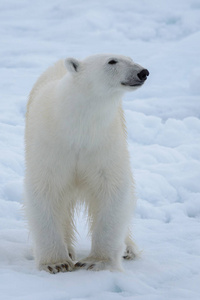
(91, 267)
(58, 268)
(50, 269)
(66, 267)
(80, 265)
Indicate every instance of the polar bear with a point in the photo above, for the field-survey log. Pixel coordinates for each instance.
(76, 150)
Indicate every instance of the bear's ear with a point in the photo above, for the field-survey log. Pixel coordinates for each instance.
(72, 64)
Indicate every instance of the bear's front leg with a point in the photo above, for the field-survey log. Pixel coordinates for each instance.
(111, 212)
(45, 219)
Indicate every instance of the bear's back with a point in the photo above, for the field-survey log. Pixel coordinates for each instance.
(55, 72)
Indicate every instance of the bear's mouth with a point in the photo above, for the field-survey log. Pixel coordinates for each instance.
(132, 84)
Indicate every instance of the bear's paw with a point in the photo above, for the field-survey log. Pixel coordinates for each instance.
(131, 253)
(97, 265)
(64, 266)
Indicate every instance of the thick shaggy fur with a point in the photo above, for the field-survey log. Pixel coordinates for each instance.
(76, 150)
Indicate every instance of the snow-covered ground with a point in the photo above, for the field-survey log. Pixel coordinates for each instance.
(164, 141)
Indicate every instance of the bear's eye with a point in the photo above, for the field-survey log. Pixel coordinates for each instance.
(112, 62)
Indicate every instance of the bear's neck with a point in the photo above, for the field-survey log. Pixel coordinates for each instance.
(86, 118)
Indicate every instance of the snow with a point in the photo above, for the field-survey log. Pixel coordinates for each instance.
(163, 135)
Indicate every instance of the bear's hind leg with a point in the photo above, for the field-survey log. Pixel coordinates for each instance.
(69, 231)
(131, 251)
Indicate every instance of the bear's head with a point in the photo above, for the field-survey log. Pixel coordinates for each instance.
(106, 74)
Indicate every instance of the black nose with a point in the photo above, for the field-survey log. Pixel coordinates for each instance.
(143, 74)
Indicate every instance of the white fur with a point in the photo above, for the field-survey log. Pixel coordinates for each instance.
(76, 150)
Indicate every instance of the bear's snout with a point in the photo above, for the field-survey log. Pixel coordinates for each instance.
(136, 79)
(143, 74)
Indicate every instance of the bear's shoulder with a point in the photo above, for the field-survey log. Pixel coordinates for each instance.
(54, 72)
